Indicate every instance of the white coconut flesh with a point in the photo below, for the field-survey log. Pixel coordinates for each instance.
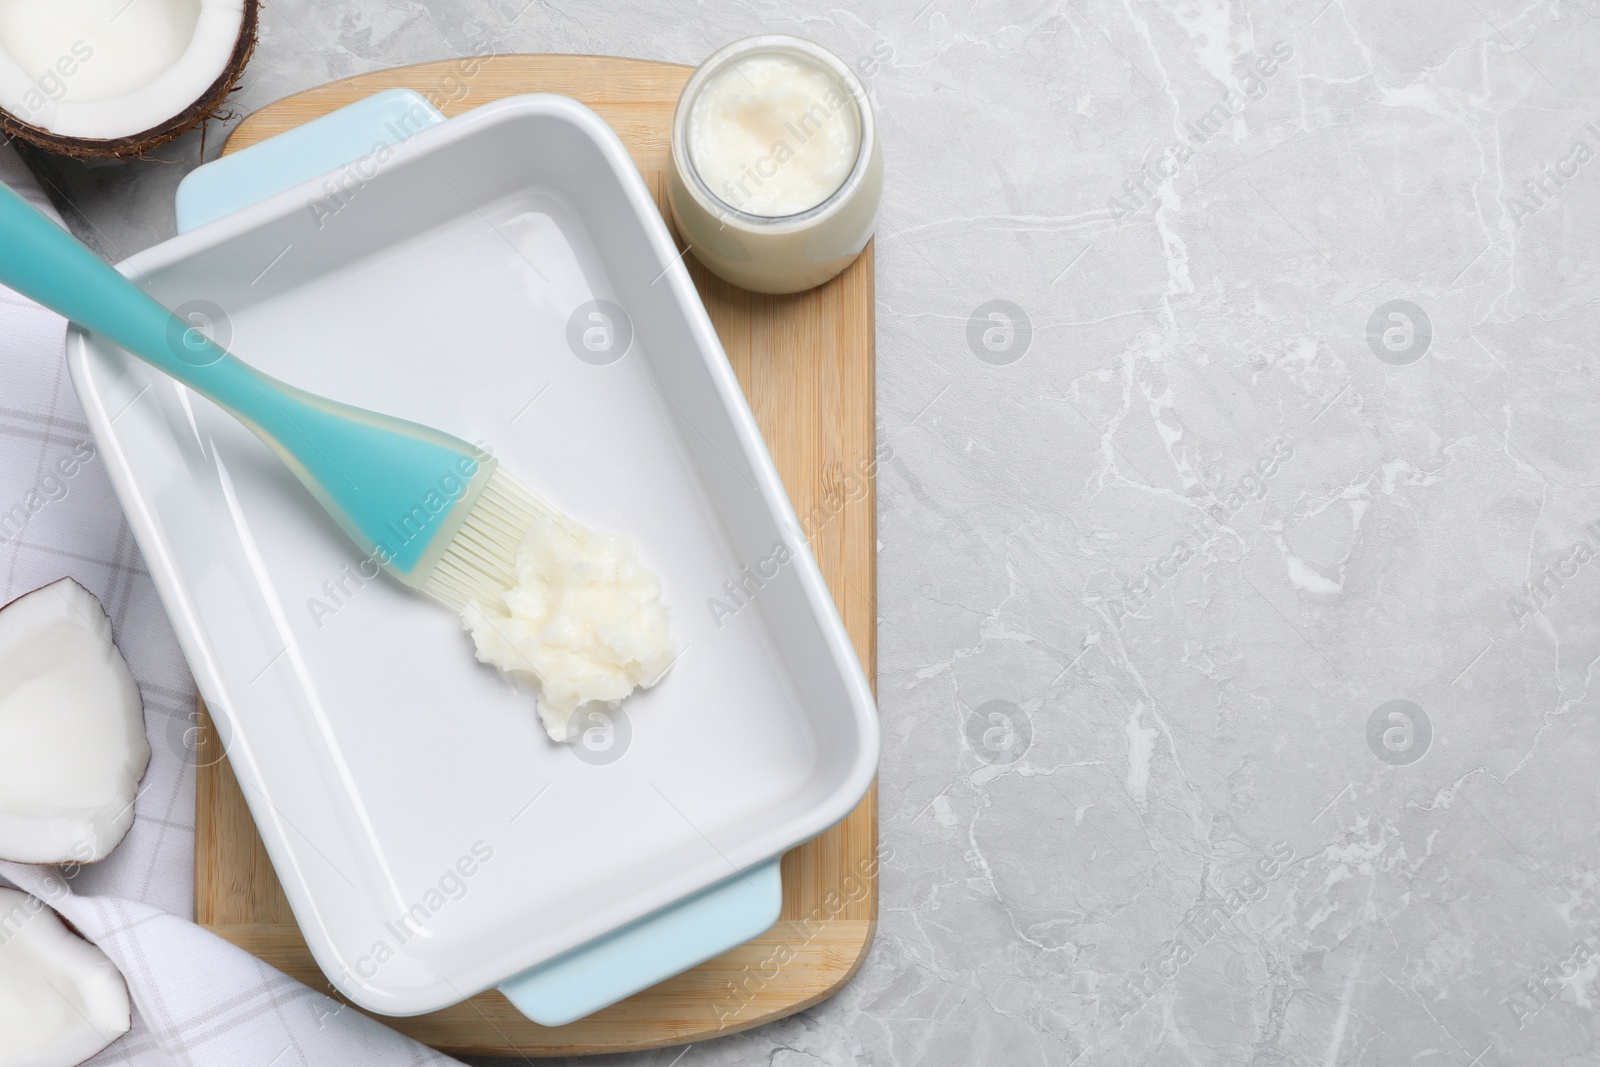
(72, 743)
(108, 69)
(61, 1000)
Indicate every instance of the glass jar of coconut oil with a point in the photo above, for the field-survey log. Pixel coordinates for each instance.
(777, 171)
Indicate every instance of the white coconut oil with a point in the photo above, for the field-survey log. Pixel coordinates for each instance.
(583, 625)
(774, 134)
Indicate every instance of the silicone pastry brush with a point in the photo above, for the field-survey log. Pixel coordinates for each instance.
(436, 512)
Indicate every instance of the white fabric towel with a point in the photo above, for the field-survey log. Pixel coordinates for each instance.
(198, 1000)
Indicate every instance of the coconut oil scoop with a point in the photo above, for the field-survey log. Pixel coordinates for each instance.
(582, 623)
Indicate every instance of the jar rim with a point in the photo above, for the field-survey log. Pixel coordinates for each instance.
(719, 61)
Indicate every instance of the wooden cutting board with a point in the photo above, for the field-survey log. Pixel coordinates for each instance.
(806, 363)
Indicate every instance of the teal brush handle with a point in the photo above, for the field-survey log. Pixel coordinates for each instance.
(399, 489)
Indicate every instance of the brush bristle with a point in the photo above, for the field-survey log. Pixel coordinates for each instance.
(481, 562)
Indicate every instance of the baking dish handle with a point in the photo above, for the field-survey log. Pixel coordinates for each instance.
(655, 948)
(660, 945)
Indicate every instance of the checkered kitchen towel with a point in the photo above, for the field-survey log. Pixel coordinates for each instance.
(197, 1000)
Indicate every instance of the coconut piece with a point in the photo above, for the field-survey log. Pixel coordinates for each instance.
(61, 1000)
(114, 79)
(72, 744)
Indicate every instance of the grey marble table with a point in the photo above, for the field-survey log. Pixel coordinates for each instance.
(1239, 547)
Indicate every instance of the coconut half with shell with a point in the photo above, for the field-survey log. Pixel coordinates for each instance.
(113, 79)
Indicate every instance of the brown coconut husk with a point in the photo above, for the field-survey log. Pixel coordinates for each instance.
(211, 105)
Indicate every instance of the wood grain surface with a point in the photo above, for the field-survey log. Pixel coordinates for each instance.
(806, 363)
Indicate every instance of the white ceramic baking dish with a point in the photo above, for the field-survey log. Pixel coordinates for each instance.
(432, 842)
